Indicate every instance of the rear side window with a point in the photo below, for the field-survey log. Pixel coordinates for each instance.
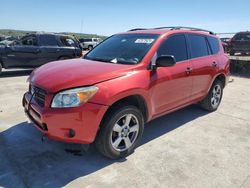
(176, 46)
(48, 40)
(198, 45)
(214, 44)
(87, 40)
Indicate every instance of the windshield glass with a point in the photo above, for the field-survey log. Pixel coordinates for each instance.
(123, 48)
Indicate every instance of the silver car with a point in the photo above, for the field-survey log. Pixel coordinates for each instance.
(89, 43)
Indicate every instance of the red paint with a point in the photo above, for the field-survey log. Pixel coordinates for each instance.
(116, 81)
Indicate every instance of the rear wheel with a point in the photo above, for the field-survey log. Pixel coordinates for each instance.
(63, 58)
(120, 132)
(213, 99)
(90, 47)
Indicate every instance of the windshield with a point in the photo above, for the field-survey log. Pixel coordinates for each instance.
(123, 48)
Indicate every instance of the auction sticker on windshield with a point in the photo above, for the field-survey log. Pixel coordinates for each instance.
(144, 41)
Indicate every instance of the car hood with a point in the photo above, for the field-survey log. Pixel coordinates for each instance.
(60, 75)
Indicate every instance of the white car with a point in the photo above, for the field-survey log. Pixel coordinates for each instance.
(89, 43)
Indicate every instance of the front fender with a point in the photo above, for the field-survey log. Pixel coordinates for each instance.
(116, 89)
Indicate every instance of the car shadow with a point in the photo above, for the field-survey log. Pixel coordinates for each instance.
(27, 161)
(15, 73)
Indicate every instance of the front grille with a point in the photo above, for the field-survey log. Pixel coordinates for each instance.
(39, 95)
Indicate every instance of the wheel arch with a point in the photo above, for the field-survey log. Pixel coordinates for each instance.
(135, 100)
(220, 76)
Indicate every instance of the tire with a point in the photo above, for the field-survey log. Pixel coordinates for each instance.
(90, 47)
(1, 68)
(120, 132)
(212, 101)
(63, 58)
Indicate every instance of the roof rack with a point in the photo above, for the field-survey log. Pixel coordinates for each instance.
(177, 28)
(137, 29)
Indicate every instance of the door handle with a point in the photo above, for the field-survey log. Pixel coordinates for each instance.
(189, 70)
(214, 64)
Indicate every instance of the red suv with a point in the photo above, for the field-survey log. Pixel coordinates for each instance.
(127, 80)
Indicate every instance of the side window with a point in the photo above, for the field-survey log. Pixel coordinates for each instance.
(48, 40)
(214, 44)
(29, 41)
(198, 45)
(176, 46)
(239, 37)
(242, 37)
(67, 41)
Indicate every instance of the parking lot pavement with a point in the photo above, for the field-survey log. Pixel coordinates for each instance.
(188, 148)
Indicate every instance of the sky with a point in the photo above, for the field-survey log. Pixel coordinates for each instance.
(107, 17)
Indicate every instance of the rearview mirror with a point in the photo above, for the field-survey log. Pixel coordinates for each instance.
(165, 61)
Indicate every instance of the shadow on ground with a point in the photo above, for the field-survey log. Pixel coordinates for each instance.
(15, 73)
(26, 161)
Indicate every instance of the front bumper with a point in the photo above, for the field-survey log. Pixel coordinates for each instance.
(58, 123)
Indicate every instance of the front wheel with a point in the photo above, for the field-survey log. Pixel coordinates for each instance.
(214, 96)
(120, 132)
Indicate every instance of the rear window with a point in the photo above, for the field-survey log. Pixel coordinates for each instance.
(198, 45)
(214, 44)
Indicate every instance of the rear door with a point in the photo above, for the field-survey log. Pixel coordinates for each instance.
(204, 64)
(173, 84)
(50, 50)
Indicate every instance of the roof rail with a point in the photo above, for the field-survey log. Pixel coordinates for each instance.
(137, 29)
(178, 28)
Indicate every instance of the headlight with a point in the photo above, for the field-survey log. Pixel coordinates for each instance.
(73, 97)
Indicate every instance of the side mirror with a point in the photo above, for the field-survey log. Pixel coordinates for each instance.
(165, 61)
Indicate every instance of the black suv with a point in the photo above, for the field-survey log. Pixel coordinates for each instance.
(240, 43)
(37, 49)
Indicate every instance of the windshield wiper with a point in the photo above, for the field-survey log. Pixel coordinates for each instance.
(98, 59)
(121, 61)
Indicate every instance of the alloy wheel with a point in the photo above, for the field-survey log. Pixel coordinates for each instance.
(216, 96)
(124, 132)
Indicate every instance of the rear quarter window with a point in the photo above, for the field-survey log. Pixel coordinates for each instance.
(198, 44)
(214, 44)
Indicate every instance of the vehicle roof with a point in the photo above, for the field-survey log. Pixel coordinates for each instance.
(243, 32)
(48, 33)
(162, 31)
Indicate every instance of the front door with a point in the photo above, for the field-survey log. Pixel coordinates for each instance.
(172, 85)
(23, 54)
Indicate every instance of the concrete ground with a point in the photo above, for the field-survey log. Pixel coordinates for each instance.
(188, 148)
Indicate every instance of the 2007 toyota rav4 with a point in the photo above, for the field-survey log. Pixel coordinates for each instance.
(126, 81)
